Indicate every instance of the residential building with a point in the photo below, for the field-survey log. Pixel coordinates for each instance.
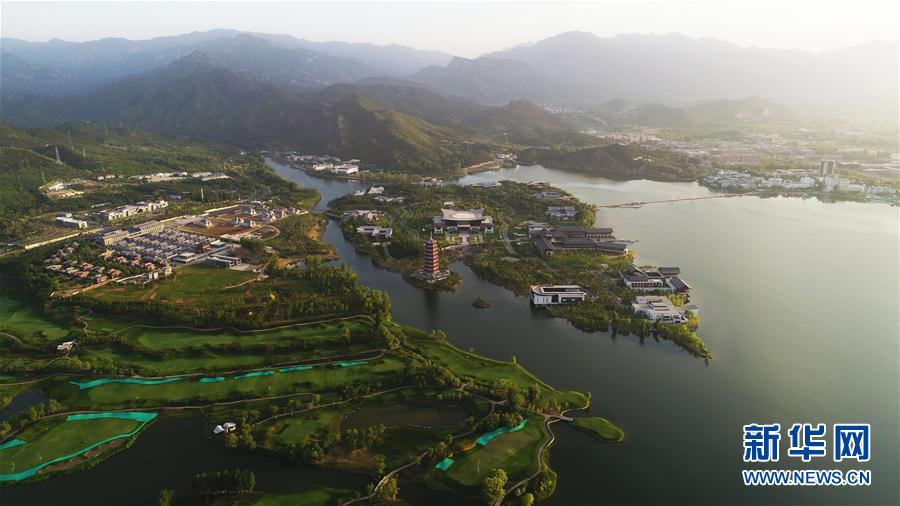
(147, 228)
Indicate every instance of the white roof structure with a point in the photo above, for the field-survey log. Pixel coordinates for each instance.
(461, 215)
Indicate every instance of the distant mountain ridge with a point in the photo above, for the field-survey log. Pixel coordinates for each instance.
(677, 67)
(91, 64)
(570, 70)
(495, 81)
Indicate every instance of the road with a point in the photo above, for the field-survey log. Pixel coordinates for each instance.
(506, 242)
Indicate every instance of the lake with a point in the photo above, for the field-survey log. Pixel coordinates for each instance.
(798, 302)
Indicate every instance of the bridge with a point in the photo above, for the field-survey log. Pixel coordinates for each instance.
(639, 203)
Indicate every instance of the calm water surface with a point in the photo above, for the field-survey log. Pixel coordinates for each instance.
(798, 302)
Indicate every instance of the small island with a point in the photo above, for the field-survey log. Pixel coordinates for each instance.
(481, 303)
(602, 428)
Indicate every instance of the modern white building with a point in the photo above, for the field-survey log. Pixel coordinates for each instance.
(345, 169)
(65, 221)
(375, 231)
(546, 295)
(126, 211)
(562, 212)
(66, 347)
(658, 308)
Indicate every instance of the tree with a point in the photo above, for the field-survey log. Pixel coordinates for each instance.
(166, 497)
(254, 245)
(389, 490)
(527, 499)
(493, 487)
(380, 465)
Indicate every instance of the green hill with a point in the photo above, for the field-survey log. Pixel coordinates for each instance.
(615, 161)
(22, 173)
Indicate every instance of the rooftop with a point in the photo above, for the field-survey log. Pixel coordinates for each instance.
(454, 214)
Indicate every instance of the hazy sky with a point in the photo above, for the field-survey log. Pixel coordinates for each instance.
(469, 28)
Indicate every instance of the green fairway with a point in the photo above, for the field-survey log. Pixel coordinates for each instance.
(51, 439)
(22, 320)
(205, 360)
(180, 392)
(600, 427)
(180, 338)
(152, 366)
(514, 452)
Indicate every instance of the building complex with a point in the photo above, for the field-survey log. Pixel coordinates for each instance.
(549, 240)
(663, 279)
(659, 308)
(456, 220)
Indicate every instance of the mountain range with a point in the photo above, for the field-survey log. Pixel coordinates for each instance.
(396, 106)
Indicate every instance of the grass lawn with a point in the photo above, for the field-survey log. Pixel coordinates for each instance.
(514, 452)
(47, 440)
(178, 338)
(402, 444)
(600, 427)
(203, 361)
(189, 283)
(318, 379)
(297, 429)
(481, 369)
(320, 496)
